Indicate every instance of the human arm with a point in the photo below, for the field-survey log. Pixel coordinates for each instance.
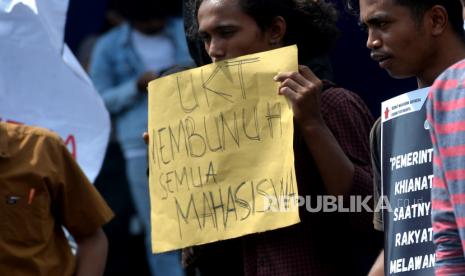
(378, 221)
(449, 253)
(448, 183)
(446, 236)
(330, 139)
(378, 267)
(91, 254)
(375, 153)
(347, 121)
(79, 207)
(118, 93)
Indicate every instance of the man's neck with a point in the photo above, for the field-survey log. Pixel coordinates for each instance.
(450, 52)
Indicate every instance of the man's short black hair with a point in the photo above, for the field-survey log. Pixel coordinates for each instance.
(142, 10)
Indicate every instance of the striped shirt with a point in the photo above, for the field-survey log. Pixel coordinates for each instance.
(446, 115)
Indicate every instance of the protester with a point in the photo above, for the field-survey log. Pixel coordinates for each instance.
(412, 39)
(123, 62)
(332, 127)
(43, 188)
(446, 116)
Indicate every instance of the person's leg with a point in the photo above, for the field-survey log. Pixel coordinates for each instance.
(160, 264)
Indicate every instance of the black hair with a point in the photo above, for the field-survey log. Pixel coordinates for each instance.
(310, 24)
(418, 9)
(143, 10)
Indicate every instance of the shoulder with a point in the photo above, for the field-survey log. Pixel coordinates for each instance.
(454, 72)
(31, 132)
(446, 94)
(335, 98)
(335, 95)
(450, 80)
(37, 140)
(114, 37)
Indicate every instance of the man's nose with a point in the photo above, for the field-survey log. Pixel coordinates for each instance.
(216, 50)
(373, 41)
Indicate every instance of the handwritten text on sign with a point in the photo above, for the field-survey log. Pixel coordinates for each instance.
(221, 151)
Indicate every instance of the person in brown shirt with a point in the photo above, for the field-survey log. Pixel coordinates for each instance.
(42, 189)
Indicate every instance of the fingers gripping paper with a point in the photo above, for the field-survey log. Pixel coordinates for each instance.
(221, 151)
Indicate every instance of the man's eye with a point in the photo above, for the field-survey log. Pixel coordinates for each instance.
(381, 24)
(227, 33)
(204, 38)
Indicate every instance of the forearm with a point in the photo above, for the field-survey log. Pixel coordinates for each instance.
(446, 221)
(449, 252)
(348, 117)
(378, 267)
(334, 166)
(92, 254)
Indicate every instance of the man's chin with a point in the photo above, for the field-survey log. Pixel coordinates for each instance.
(398, 75)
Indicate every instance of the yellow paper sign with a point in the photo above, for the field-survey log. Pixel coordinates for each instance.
(221, 154)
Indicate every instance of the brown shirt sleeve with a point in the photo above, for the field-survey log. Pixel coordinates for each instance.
(76, 203)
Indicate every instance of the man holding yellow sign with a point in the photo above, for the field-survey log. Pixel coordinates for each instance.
(221, 149)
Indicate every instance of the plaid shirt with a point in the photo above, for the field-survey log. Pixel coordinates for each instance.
(324, 243)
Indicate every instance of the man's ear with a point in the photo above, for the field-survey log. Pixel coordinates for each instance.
(277, 31)
(438, 19)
